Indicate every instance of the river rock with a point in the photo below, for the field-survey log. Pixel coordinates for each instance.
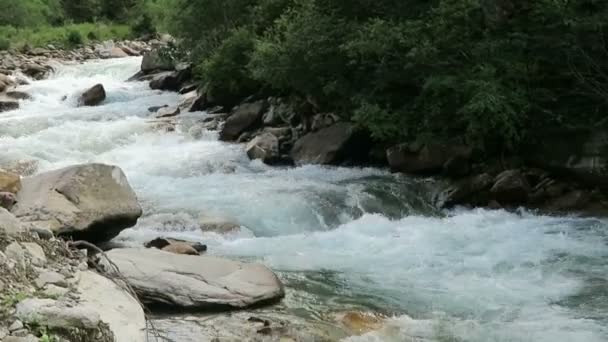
(511, 187)
(9, 223)
(7, 200)
(156, 61)
(426, 159)
(117, 52)
(578, 153)
(26, 252)
(172, 80)
(92, 201)
(114, 306)
(18, 95)
(332, 145)
(471, 191)
(177, 246)
(265, 147)
(35, 71)
(93, 96)
(218, 225)
(9, 182)
(195, 282)
(8, 105)
(241, 119)
(359, 323)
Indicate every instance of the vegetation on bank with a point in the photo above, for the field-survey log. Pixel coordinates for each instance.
(491, 72)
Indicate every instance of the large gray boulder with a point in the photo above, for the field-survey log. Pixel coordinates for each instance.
(578, 153)
(245, 116)
(93, 96)
(265, 147)
(93, 201)
(332, 145)
(195, 282)
(156, 61)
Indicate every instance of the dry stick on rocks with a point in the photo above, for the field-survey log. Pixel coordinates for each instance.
(123, 283)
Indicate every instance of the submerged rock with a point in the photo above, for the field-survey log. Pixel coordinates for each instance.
(195, 282)
(92, 201)
(265, 147)
(93, 96)
(8, 105)
(218, 225)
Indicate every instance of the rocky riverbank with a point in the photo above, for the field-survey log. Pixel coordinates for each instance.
(561, 172)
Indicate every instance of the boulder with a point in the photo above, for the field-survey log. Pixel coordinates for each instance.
(244, 117)
(18, 95)
(93, 201)
(511, 187)
(9, 182)
(195, 282)
(177, 246)
(25, 253)
(117, 52)
(156, 61)
(473, 191)
(113, 305)
(333, 145)
(167, 112)
(8, 105)
(265, 147)
(7, 200)
(573, 153)
(36, 71)
(427, 159)
(9, 223)
(93, 96)
(171, 80)
(218, 225)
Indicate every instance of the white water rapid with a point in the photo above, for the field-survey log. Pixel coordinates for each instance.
(339, 238)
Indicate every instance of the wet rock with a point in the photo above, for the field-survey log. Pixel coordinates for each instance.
(36, 71)
(332, 145)
(359, 323)
(155, 109)
(425, 159)
(171, 80)
(9, 182)
(265, 147)
(167, 112)
(9, 223)
(18, 95)
(511, 187)
(195, 282)
(177, 246)
(244, 117)
(473, 190)
(93, 202)
(218, 225)
(93, 96)
(8, 105)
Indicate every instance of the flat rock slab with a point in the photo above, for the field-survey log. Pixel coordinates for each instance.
(195, 282)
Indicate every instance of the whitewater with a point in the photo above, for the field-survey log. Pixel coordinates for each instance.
(339, 238)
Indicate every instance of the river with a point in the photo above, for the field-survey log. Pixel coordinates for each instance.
(339, 238)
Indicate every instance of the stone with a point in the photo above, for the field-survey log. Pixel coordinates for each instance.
(8, 105)
(130, 51)
(244, 117)
(171, 80)
(425, 159)
(93, 96)
(359, 323)
(22, 253)
(36, 71)
(56, 314)
(195, 282)
(333, 145)
(156, 61)
(18, 95)
(17, 324)
(43, 233)
(93, 202)
(28, 338)
(7, 200)
(117, 52)
(511, 187)
(279, 113)
(472, 190)
(218, 225)
(113, 305)
(177, 246)
(54, 291)
(167, 112)
(265, 147)
(10, 224)
(581, 154)
(9, 182)
(50, 277)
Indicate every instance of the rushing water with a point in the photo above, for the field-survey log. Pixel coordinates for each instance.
(339, 238)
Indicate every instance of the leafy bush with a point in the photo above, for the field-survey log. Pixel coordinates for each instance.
(74, 38)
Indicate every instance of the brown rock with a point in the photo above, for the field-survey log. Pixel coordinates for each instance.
(9, 182)
(93, 96)
(511, 187)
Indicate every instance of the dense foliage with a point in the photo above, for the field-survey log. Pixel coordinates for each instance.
(490, 71)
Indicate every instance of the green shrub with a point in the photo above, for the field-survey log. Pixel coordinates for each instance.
(5, 44)
(74, 38)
